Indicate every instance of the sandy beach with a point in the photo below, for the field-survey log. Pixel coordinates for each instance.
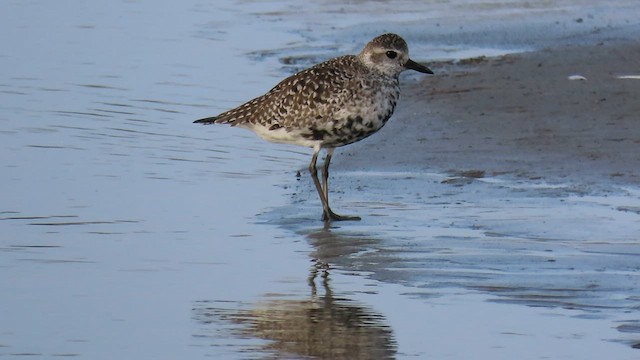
(523, 116)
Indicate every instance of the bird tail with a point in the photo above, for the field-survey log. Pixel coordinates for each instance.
(206, 121)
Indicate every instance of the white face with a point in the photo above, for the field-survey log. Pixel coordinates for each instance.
(389, 61)
(388, 54)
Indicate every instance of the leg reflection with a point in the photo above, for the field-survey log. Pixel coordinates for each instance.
(326, 325)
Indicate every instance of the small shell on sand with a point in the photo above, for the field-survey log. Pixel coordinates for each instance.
(577, 77)
(634, 77)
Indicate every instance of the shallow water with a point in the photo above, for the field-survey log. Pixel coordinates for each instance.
(128, 232)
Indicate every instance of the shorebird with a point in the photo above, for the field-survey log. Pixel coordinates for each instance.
(332, 104)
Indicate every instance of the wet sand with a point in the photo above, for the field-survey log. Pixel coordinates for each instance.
(520, 116)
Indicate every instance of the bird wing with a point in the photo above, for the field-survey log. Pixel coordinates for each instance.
(308, 97)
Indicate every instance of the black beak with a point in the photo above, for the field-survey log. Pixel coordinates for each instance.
(410, 64)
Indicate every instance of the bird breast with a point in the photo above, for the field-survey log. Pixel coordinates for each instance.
(367, 112)
(363, 109)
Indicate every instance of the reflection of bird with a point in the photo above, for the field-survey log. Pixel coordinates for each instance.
(322, 327)
(332, 104)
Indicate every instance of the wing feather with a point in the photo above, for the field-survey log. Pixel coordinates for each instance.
(307, 98)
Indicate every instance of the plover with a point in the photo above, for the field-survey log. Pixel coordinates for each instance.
(332, 104)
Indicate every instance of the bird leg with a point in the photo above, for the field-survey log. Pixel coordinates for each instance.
(314, 175)
(323, 187)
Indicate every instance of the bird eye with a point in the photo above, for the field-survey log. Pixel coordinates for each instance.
(392, 54)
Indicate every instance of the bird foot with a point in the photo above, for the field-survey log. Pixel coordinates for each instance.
(331, 216)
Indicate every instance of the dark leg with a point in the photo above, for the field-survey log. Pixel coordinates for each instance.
(314, 175)
(325, 174)
(323, 188)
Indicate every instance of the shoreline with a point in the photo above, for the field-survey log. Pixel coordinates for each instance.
(518, 115)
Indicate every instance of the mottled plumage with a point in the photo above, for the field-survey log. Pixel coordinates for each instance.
(332, 104)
